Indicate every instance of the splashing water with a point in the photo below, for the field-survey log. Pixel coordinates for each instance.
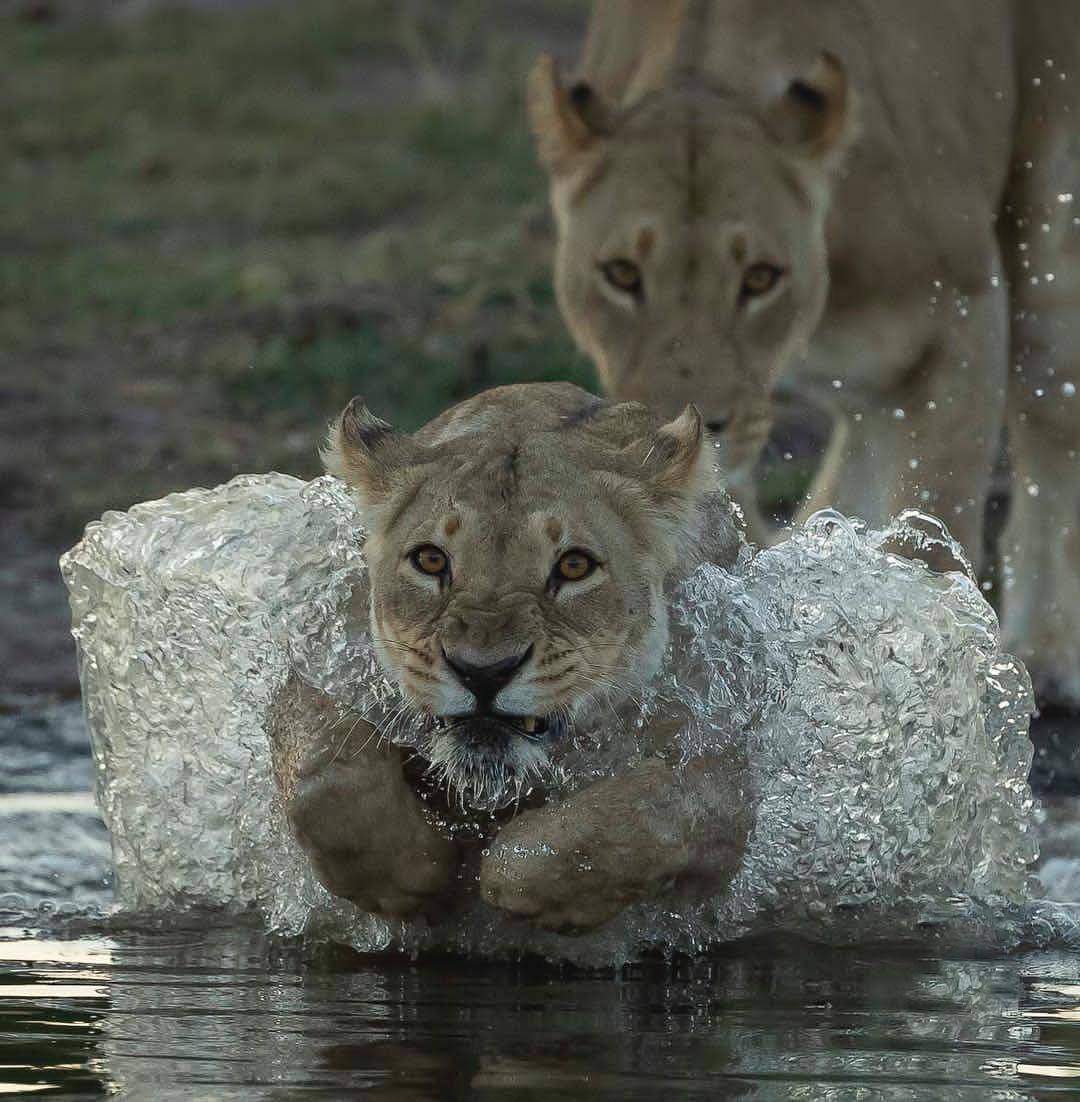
(886, 731)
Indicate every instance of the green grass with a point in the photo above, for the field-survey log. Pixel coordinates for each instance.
(180, 187)
(406, 382)
(161, 150)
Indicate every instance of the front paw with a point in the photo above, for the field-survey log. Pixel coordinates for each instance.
(571, 869)
(368, 842)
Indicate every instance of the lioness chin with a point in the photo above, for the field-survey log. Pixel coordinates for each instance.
(518, 548)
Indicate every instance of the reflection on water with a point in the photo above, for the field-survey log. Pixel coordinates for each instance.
(227, 1015)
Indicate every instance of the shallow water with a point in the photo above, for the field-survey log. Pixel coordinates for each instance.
(223, 1015)
(88, 1006)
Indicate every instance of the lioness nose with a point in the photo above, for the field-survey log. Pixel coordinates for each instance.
(485, 681)
(717, 425)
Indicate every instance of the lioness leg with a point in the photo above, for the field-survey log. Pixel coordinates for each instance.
(1041, 546)
(1040, 231)
(352, 811)
(575, 865)
(930, 442)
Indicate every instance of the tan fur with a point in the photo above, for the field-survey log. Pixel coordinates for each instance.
(912, 167)
(505, 484)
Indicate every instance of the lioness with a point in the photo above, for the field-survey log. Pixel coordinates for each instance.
(518, 548)
(574, 688)
(872, 203)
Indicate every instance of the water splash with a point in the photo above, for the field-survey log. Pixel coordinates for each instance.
(886, 731)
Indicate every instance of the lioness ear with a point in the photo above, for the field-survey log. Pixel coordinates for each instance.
(565, 121)
(816, 112)
(364, 451)
(675, 464)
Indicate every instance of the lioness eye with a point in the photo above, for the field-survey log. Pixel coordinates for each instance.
(429, 559)
(574, 565)
(760, 278)
(624, 275)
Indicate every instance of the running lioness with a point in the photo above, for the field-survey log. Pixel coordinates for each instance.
(869, 203)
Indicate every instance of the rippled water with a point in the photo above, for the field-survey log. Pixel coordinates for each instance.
(88, 1006)
(223, 1015)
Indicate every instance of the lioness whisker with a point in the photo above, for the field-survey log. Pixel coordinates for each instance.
(396, 644)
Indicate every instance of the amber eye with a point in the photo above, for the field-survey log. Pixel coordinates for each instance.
(574, 565)
(429, 559)
(759, 279)
(624, 275)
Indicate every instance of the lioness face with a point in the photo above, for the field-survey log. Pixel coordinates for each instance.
(691, 260)
(681, 290)
(517, 561)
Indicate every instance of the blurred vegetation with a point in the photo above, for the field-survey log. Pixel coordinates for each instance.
(221, 223)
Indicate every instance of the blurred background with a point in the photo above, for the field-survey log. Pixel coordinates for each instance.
(223, 218)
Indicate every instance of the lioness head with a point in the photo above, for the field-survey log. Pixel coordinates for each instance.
(691, 260)
(517, 548)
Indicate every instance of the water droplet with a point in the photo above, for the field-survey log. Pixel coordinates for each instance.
(995, 281)
(1033, 489)
(931, 404)
(1069, 390)
(788, 457)
(1049, 277)
(1045, 227)
(1036, 81)
(1065, 197)
(899, 414)
(913, 464)
(1039, 392)
(837, 383)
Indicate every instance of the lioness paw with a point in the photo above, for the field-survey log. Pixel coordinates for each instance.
(566, 885)
(369, 842)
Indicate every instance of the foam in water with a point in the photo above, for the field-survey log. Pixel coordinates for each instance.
(886, 732)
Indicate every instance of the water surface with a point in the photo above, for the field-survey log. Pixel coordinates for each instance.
(219, 1015)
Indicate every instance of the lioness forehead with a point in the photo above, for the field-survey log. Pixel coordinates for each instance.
(540, 493)
(511, 484)
(458, 523)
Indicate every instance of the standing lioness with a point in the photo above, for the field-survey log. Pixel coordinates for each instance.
(871, 201)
